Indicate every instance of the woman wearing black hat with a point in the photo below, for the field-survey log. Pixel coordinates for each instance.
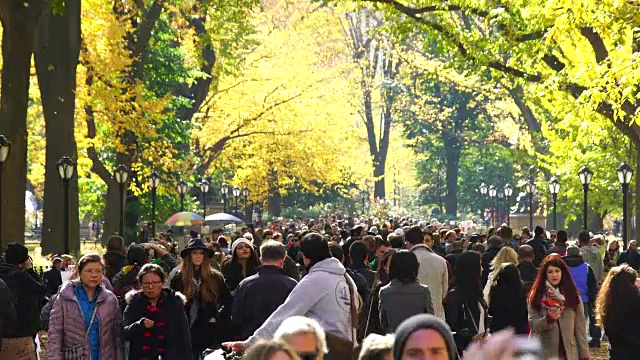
(208, 304)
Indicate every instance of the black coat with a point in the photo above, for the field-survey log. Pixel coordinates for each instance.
(459, 317)
(487, 257)
(53, 279)
(176, 331)
(508, 308)
(211, 326)
(258, 296)
(27, 297)
(366, 273)
(528, 273)
(7, 312)
(539, 249)
(451, 258)
(232, 272)
(630, 257)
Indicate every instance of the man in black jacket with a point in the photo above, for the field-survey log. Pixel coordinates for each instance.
(494, 244)
(53, 277)
(528, 271)
(258, 296)
(539, 245)
(7, 312)
(359, 254)
(27, 294)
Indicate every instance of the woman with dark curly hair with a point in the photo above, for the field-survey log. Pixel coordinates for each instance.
(617, 309)
(556, 312)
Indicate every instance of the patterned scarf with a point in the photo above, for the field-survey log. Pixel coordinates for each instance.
(552, 298)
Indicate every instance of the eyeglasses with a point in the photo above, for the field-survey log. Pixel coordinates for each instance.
(151, 283)
(93, 272)
(308, 355)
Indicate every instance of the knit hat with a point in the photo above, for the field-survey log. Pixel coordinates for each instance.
(136, 255)
(419, 322)
(16, 254)
(573, 251)
(239, 241)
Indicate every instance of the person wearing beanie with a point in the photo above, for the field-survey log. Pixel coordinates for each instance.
(244, 263)
(423, 334)
(28, 294)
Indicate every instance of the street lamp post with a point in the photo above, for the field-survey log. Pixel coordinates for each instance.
(204, 189)
(625, 173)
(236, 194)
(508, 191)
(554, 188)
(245, 195)
(66, 168)
(182, 189)
(122, 176)
(483, 191)
(500, 216)
(531, 186)
(224, 190)
(5, 148)
(154, 181)
(492, 194)
(363, 196)
(585, 179)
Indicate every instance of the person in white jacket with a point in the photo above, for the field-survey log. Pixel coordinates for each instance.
(433, 270)
(323, 294)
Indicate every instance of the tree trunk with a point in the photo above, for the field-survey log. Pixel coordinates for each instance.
(275, 204)
(111, 211)
(452, 155)
(19, 23)
(56, 59)
(637, 191)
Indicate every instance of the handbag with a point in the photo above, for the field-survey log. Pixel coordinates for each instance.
(77, 352)
(340, 348)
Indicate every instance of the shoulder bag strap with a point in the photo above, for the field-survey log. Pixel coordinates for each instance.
(93, 316)
(475, 326)
(352, 311)
(375, 285)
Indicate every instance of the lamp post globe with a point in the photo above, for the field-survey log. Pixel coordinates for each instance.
(625, 173)
(66, 169)
(183, 187)
(585, 176)
(154, 181)
(554, 189)
(492, 193)
(508, 191)
(121, 175)
(235, 191)
(204, 188)
(531, 187)
(224, 190)
(245, 196)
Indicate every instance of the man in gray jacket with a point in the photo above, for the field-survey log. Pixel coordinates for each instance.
(433, 269)
(324, 294)
(591, 255)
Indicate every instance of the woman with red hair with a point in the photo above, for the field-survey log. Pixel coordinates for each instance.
(556, 312)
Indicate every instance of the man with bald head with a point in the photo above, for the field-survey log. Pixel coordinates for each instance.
(527, 268)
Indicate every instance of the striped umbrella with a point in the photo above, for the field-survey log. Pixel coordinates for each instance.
(185, 218)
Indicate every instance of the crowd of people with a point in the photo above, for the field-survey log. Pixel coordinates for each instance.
(327, 289)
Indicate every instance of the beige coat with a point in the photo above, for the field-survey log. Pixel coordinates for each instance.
(433, 273)
(574, 334)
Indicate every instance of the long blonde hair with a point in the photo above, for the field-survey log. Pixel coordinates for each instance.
(505, 255)
(212, 280)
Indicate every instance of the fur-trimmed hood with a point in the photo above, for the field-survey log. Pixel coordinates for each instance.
(166, 293)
